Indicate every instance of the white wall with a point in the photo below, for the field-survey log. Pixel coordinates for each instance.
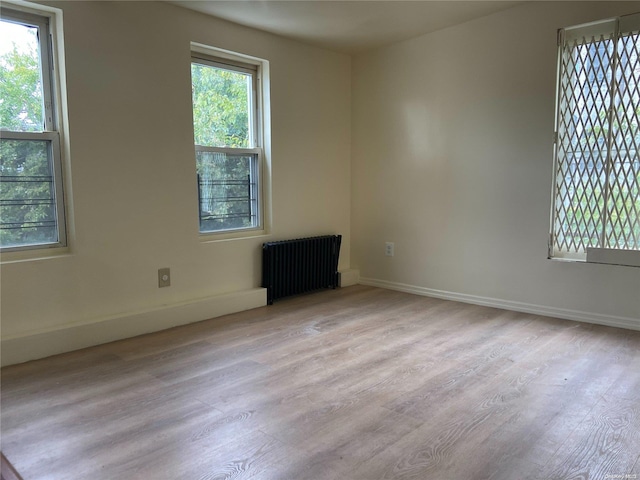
(133, 188)
(452, 161)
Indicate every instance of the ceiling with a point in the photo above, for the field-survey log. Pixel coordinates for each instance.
(348, 26)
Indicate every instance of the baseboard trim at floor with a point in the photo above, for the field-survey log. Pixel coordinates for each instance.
(67, 338)
(566, 314)
(348, 277)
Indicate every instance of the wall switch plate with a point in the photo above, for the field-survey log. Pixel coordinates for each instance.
(389, 249)
(164, 277)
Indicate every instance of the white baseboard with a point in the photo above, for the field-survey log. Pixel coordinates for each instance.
(577, 315)
(73, 337)
(348, 277)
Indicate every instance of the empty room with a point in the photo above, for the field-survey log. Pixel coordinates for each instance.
(320, 240)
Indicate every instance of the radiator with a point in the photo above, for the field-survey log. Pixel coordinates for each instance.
(291, 267)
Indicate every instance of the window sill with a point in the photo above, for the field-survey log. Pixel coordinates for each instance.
(215, 237)
(603, 256)
(32, 255)
(627, 258)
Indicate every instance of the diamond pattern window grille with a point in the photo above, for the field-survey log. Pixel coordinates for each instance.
(597, 168)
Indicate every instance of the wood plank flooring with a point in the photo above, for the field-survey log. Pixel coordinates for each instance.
(356, 383)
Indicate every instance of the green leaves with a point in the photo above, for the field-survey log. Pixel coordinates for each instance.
(21, 104)
(220, 107)
(27, 196)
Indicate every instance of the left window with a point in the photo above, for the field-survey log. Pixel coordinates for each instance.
(32, 213)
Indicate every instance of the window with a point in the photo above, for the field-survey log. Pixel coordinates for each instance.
(596, 209)
(228, 141)
(31, 197)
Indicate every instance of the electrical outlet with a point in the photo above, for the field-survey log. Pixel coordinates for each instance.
(164, 277)
(389, 249)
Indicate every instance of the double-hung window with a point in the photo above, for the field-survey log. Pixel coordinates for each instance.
(31, 197)
(228, 141)
(596, 204)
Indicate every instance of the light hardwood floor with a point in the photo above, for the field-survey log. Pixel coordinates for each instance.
(356, 383)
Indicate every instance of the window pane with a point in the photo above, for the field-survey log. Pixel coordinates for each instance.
(623, 205)
(27, 193)
(582, 144)
(221, 107)
(22, 105)
(227, 190)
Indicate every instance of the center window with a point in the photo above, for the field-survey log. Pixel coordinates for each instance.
(227, 143)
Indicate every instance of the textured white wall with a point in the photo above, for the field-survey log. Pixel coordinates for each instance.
(133, 169)
(452, 161)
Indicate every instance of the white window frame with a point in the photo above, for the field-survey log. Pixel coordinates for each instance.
(588, 34)
(45, 21)
(258, 138)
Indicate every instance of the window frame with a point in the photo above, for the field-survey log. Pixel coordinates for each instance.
(226, 60)
(580, 35)
(45, 21)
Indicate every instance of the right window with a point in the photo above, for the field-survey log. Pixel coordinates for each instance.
(596, 200)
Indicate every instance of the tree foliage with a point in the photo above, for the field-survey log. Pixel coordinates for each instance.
(21, 105)
(220, 106)
(27, 195)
